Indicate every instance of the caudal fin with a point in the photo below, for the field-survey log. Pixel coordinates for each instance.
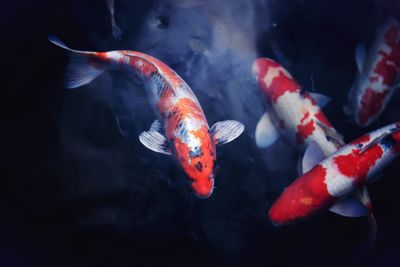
(372, 232)
(79, 72)
(116, 31)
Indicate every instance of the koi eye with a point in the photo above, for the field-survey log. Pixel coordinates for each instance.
(360, 145)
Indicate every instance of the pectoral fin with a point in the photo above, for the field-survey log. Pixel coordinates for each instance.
(266, 132)
(154, 140)
(226, 131)
(156, 126)
(322, 100)
(350, 207)
(332, 134)
(312, 156)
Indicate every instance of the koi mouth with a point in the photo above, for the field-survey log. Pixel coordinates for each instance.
(203, 191)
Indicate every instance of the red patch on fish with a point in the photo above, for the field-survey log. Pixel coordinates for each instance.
(305, 117)
(396, 148)
(371, 104)
(363, 139)
(312, 100)
(356, 165)
(321, 117)
(280, 84)
(389, 64)
(304, 131)
(306, 196)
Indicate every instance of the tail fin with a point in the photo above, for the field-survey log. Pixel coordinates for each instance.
(79, 72)
(372, 232)
(116, 31)
(373, 226)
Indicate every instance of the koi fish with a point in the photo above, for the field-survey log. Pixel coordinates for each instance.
(327, 184)
(291, 112)
(181, 129)
(297, 116)
(116, 31)
(378, 75)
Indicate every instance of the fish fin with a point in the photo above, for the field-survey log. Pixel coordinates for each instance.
(375, 141)
(155, 141)
(156, 126)
(332, 134)
(322, 100)
(349, 207)
(79, 71)
(361, 56)
(365, 199)
(59, 43)
(266, 132)
(116, 31)
(312, 156)
(372, 232)
(299, 166)
(226, 131)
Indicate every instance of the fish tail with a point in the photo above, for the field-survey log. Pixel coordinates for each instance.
(80, 70)
(372, 224)
(116, 31)
(373, 230)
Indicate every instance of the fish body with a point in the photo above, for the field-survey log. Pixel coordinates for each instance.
(378, 75)
(294, 114)
(182, 129)
(337, 176)
(298, 117)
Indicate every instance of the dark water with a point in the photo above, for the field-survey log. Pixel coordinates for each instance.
(77, 193)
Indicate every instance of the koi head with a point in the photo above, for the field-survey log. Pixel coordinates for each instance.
(305, 197)
(273, 79)
(196, 155)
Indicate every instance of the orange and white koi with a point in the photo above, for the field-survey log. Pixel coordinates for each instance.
(181, 129)
(378, 75)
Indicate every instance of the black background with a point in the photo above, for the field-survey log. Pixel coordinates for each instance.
(74, 192)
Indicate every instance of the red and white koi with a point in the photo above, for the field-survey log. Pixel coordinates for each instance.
(181, 129)
(291, 112)
(327, 184)
(378, 75)
(297, 116)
